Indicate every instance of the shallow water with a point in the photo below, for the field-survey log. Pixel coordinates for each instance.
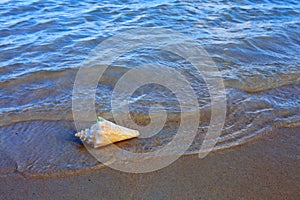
(255, 45)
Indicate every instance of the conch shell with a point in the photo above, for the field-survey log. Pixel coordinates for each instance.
(105, 132)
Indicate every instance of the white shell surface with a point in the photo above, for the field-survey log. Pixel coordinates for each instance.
(105, 132)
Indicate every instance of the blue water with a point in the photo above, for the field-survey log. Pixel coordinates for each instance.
(255, 45)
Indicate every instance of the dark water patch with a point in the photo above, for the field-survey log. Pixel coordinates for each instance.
(35, 147)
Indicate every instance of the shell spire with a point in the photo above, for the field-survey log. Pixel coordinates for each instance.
(105, 132)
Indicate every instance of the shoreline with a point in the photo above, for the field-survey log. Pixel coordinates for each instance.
(21, 162)
(266, 168)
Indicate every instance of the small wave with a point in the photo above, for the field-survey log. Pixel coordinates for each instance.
(261, 79)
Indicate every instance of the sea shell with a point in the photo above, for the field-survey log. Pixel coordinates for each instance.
(105, 132)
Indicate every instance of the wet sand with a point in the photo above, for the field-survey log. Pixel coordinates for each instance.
(264, 169)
